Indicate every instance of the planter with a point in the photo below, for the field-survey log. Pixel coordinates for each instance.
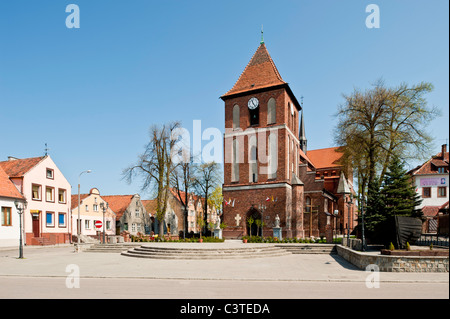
(244, 240)
(200, 240)
(424, 253)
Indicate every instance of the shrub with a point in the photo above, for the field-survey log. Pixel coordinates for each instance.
(408, 247)
(391, 246)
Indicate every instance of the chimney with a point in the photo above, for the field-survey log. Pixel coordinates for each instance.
(444, 149)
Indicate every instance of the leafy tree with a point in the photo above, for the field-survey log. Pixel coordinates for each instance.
(382, 122)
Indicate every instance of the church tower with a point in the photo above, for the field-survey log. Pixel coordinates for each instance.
(261, 152)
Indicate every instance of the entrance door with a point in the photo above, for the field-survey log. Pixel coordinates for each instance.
(255, 229)
(36, 225)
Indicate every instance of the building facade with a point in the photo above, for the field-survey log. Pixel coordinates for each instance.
(131, 215)
(91, 210)
(267, 171)
(48, 196)
(9, 218)
(431, 181)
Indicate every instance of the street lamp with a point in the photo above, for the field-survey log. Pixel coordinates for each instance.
(262, 208)
(79, 220)
(104, 208)
(349, 202)
(20, 206)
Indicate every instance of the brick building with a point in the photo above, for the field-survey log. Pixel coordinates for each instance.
(267, 168)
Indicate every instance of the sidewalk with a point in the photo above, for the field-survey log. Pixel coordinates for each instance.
(51, 261)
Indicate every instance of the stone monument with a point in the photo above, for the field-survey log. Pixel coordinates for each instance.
(277, 229)
(217, 229)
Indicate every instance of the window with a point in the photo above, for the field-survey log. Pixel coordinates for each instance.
(95, 207)
(136, 212)
(49, 194)
(108, 224)
(254, 116)
(235, 164)
(49, 173)
(426, 192)
(87, 224)
(253, 160)
(50, 219)
(442, 191)
(441, 169)
(36, 192)
(62, 220)
(271, 111)
(6, 216)
(133, 227)
(87, 208)
(62, 196)
(236, 117)
(308, 205)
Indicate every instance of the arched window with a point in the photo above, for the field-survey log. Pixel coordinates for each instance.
(271, 111)
(308, 204)
(254, 116)
(253, 159)
(236, 117)
(273, 155)
(235, 163)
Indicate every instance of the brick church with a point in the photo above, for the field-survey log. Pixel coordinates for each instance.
(268, 171)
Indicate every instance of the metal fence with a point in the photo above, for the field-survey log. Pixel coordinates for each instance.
(436, 240)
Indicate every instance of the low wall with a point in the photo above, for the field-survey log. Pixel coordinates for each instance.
(394, 263)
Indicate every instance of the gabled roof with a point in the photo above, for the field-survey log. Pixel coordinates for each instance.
(19, 167)
(430, 166)
(259, 73)
(118, 203)
(7, 188)
(74, 200)
(326, 157)
(150, 206)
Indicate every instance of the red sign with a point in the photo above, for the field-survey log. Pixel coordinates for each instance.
(98, 223)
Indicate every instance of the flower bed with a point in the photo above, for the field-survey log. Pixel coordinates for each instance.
(414, 252)
(258, 239)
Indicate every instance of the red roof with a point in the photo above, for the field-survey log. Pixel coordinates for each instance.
(431, 166)
(74, 201)
(326, 157)
(259, 73)
(118, 203)
(430, 211)
(7, 188)
(19, 167)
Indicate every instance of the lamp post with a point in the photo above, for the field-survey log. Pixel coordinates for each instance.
(262, 208)
(349, 202)
(79, 220)
(104, 208)
(20, 206)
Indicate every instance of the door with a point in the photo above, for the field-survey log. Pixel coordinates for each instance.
(36, 225)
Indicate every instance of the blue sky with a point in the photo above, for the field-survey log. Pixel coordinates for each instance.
(92, 93)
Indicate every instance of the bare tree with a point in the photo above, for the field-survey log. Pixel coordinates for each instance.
(155, 166)
(183, 179)
(208, 176)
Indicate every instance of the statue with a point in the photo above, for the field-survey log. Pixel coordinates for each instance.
(277, 221)
(218, 222)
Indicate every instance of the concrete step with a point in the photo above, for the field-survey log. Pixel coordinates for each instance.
(193, 253)
(309, 248)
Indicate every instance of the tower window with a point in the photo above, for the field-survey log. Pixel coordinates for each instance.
(254, 116)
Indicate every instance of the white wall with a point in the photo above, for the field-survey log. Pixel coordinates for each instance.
(433, 181)
(9, 235)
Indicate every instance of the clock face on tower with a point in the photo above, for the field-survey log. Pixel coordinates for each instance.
(253, 103)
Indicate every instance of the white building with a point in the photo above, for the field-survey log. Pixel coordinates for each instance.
(431, 181)
(9, 218)
(91, 210)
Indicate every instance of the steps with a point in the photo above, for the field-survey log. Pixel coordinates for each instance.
(111, 248)
(204, 253)
(309, 248)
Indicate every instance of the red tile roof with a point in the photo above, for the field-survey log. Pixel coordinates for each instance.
(150, 206)
(118, 203)
(19, 167)
(430, 211)
(74, 201)
(326, 157)
(430, 166)
(259, 73)
(7, 188)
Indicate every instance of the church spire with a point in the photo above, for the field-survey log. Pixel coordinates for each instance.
(302, 135)
(262, 35)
